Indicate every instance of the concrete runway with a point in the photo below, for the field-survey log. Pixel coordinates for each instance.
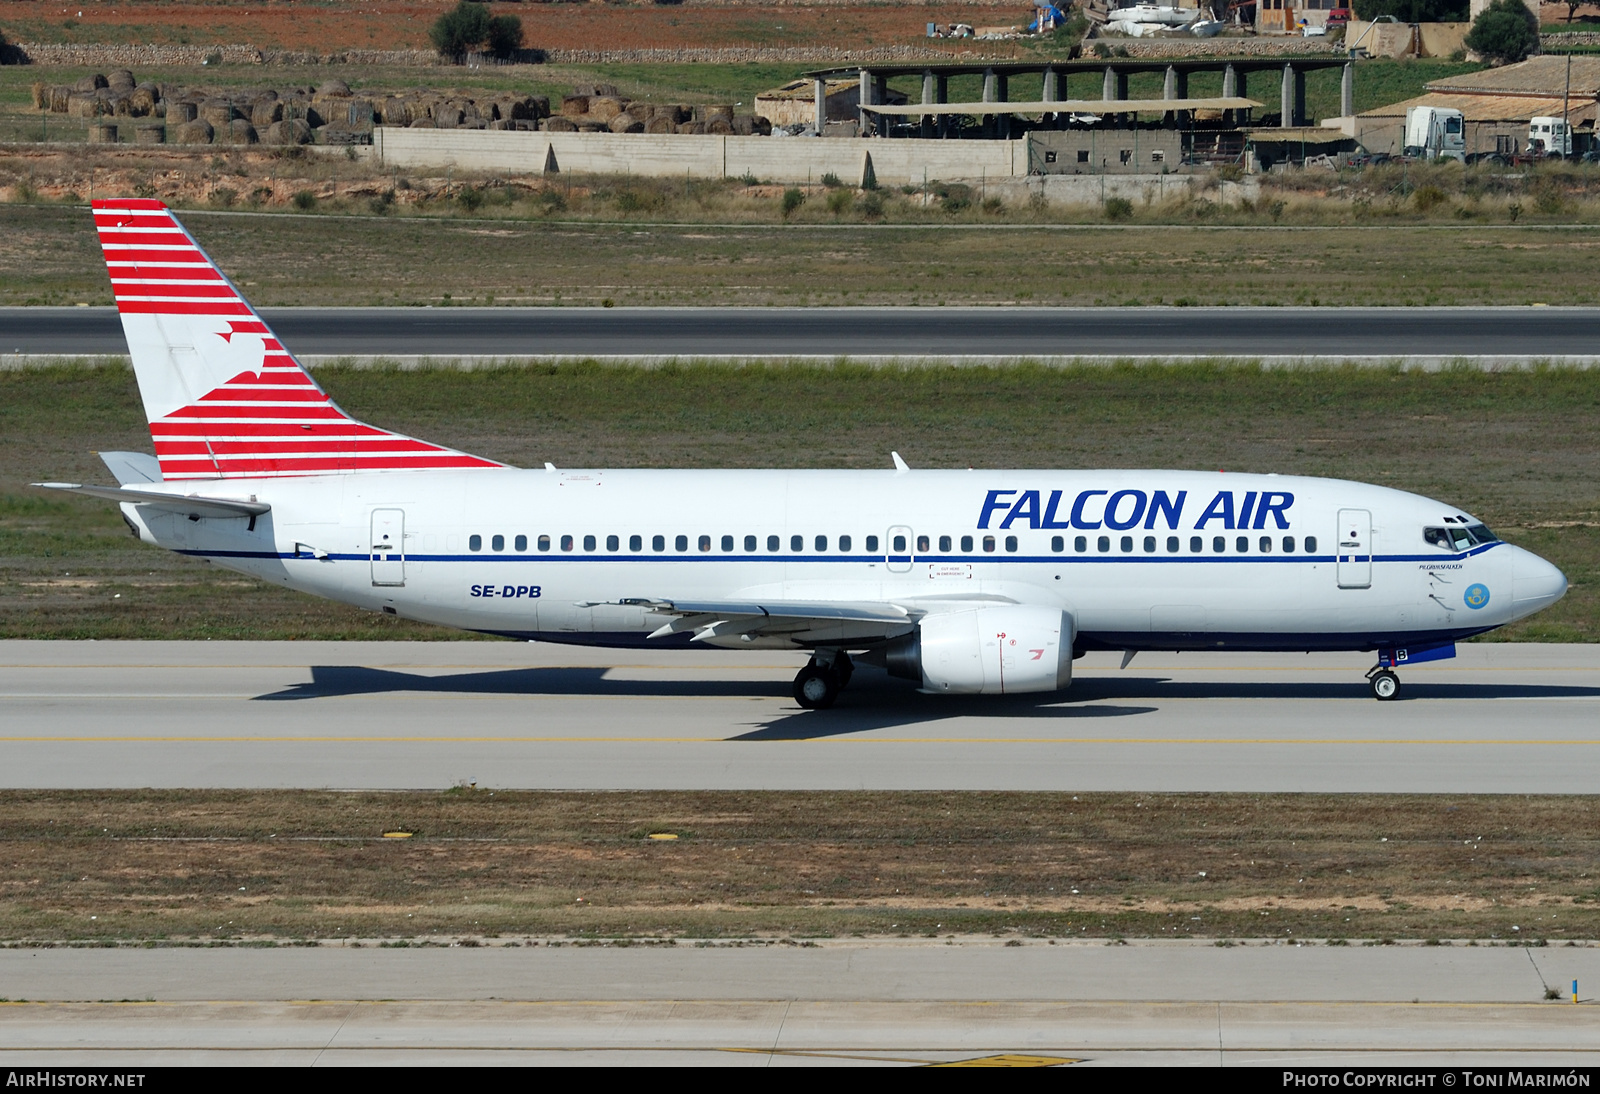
(1500, 718)
(836, 1003)
(1386, 333)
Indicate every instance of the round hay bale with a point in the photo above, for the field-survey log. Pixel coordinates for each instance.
(422, 123)
(659, 124)
(625, 123)
(87, 106)
(265, 112)
(122, 105)
(90, 84)
(60, 99)
(242, 132)
(574, 105)
(195, 132)
(724, 112)
(539, 105)
(603, 108)
(142, 103)
(672, 112)
(103, 133)
(608, 90)
(150, 133)
(592, 127)
(640, 111)
(219, 112)
(585, 90)
(395, 111)
(560, 123)
(40, 96)
(763, 126)
(179, 112)
(334, 88)
(121, 80)
(744, 126)
(293, 131)
(447, 116)
(692, 128)
(719, 127)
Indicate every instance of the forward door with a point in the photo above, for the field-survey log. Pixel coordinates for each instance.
(388, 547)
(1355, 549)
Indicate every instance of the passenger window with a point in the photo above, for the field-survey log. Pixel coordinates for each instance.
(566, 543)
(900, 544)
(658, 543)
(966, 544)
(544, 543)
(1127, 545)
(797, 543)
(1057, 544)
(1266, 545)
(1103, 543)
(681, 543)
(1080, 544)
(612, 543)
(1311, 545)
(1011, 544)
(705, 543)
(1219, 544)
(1149, 545)
(1288, 545)
(872, 545)
(772, 543)
(498, 543)
(1196, 545)
(844, 543)
(944, 543)
(988, 544)
(749, 543)
(727, 544)
(521, 543)
(822, 541)
(474, 543)
(1172, 545)
(922, 545)
(1243, 545)
(635, 543)
(588, 543)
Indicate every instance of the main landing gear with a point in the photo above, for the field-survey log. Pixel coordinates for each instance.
(1385, 684)
(823, 678)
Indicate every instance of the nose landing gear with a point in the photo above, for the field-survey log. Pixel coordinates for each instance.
(824, 677)
(1385, 684)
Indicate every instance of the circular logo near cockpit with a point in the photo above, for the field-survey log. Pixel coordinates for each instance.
(1477, 596)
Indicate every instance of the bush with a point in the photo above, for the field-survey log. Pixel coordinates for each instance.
(872, 206)
(305, 201)
(792, 199)
(831, 181)
(1427, 198)
(839, 201)
(470, 199)
(1118, 208)
(458, 32)
(1504, 32)
(505, 35)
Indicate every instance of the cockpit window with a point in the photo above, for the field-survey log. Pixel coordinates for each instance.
(1459, 537)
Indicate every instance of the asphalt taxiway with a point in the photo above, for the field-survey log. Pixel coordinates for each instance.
(1500, 718)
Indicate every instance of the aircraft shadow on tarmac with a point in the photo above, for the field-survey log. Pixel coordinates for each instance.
(331, 681)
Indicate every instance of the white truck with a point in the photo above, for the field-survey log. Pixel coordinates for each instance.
(1549, 137)
(1435, 132)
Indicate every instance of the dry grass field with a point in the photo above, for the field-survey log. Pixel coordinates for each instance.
(250, 866)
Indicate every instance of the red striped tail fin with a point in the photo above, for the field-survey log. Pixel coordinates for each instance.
(223, 396)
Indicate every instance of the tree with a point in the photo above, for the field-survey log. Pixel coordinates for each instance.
(459, 32)
(1413, 11)
(1505, 32)
(505, 35)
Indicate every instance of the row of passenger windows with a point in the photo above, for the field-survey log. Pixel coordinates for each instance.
(899, 544)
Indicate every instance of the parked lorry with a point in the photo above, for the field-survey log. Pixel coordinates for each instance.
(1435, 132)
(1549, 137)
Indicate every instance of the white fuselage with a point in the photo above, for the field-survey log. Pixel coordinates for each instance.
(1183, 560)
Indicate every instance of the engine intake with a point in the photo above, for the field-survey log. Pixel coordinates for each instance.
(1004, 650)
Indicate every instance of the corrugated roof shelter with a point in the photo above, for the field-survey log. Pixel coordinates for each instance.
(795, 103)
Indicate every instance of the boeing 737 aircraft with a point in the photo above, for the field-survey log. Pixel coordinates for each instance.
(967, 582)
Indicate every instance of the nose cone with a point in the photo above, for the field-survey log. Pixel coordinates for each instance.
(1534, 582)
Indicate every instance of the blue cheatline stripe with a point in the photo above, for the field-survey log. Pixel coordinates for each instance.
(1060, 559)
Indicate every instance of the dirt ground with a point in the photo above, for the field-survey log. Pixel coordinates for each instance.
(299, 865)
(324, 28)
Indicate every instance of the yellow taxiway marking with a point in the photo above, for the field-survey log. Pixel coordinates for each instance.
(1009, 1059)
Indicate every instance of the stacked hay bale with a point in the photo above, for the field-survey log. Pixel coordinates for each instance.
(150, 133)
(195, 132)
(599, 109)
(102, 132)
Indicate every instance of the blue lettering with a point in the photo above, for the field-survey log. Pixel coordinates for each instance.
(1274, 503)
(1160, 503)
(1078, 520)
(477, 590)
(508, 590)
(990, 504)
(1244, 510)
(1027, 506)
(533, 591)
(1120, 524)
(1050, 513)
(522, 590)
(488, 590)
(1221, 508)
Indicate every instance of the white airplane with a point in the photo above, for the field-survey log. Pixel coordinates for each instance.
(967, 582)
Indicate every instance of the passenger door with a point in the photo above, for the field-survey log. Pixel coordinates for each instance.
(388, 547)
(1355, 549)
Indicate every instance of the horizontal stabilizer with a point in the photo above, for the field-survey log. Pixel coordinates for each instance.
(191, 505)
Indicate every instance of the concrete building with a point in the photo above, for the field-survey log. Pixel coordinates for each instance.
(1497, 104)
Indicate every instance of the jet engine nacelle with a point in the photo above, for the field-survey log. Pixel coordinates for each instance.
(1004, 650)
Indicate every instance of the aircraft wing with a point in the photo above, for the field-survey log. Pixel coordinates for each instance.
(798, 621)
(190, 505)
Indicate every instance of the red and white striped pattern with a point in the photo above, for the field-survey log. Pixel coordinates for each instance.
(250, 412)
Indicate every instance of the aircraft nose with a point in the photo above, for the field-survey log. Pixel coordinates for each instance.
(1535, 581)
